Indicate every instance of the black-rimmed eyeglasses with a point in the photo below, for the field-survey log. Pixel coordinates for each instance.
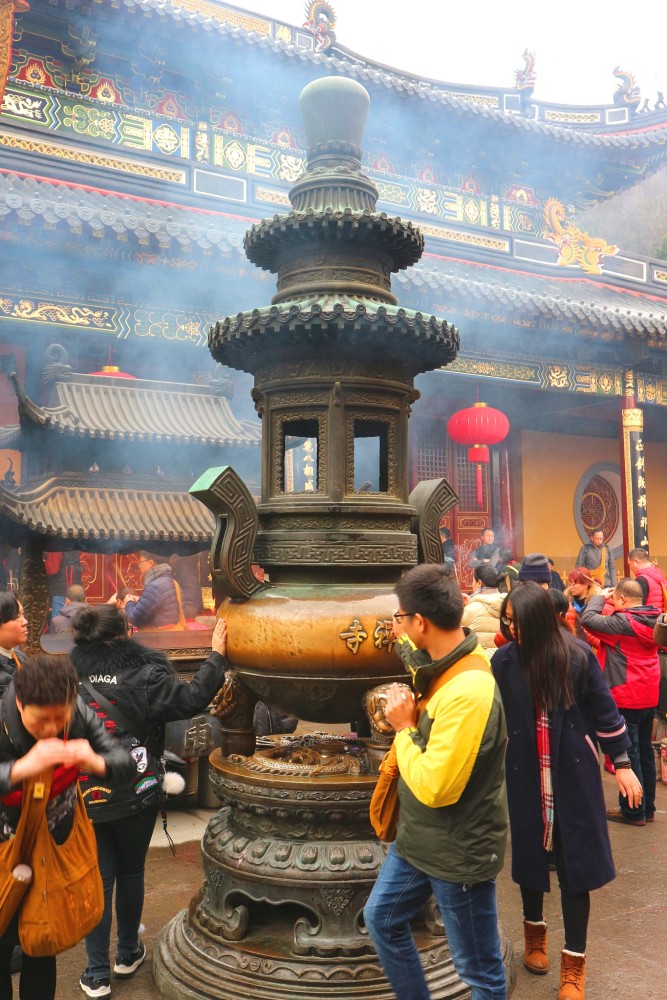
(507, 621)
(403, 614)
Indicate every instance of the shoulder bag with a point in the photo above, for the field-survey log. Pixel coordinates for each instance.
(14, 853)
(65, 900)
(58, 888)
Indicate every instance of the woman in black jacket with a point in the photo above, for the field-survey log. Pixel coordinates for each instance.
(558, 707)
(143, 685)
(38, 708)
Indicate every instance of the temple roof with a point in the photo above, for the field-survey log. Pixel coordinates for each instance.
(256, 30)
(71, 508)
(118, 409)
(151, 223)
(613, 311)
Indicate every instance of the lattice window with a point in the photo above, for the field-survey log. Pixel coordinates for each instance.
(432, 451)
(466, 481)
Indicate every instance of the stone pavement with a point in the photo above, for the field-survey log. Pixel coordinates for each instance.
(627, 952)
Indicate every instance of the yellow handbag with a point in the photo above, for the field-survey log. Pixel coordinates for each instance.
(65, 900)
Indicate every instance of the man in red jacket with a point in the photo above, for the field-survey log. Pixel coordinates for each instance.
(628, 655)
(651, 578)
(654, 588)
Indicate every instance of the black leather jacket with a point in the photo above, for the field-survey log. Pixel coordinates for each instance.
(16, 741)
(8, 669)
(143, 684)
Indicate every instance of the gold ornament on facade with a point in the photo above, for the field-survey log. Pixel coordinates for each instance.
(633, 420)
(22, 107)
(576, 248)
(166, 139)
(557, 376)
(94, 159)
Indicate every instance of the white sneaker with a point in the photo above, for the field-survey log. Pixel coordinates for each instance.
(128, 968)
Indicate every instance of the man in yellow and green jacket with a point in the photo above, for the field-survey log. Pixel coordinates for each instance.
(450, 748)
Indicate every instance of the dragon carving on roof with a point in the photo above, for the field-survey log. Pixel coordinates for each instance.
(576, 248)
(321, 21)
(627, 91)
(524, 79)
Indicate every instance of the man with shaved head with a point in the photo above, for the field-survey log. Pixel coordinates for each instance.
(628, 655)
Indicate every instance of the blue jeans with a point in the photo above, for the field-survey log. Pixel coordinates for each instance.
(640, 729)
(57, 605)
(471, 924)
(122, 846)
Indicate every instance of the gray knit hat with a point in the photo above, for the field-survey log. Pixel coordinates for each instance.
(535, 567)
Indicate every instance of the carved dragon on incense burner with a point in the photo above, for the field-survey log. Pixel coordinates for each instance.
(309, 757)
(576, 248)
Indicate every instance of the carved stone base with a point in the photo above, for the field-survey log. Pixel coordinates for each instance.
(289, 862)
(189, 964)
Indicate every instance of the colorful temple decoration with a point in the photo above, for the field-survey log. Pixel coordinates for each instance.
(139, 142)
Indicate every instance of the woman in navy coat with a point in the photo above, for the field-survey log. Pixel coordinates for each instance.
(558, 708)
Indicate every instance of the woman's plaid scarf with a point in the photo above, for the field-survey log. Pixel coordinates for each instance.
(544, 761)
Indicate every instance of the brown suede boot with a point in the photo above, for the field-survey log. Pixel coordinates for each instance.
(572, 976)
(535, 947)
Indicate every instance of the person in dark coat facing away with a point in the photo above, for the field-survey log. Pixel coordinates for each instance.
(142, 683)
(75, 599)
(13, 633)
(558, 707)
(159, 605)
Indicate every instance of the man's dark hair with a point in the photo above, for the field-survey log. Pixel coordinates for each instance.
(76, 593)
(630, 588)
(486, 575)
(487, 527)
(98, 623)
(446, 532)
(430, 591)
(9, 607)
(46, 680)
(638, 554)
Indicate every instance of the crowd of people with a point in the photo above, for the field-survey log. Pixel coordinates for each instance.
(167, 594)
(579, 669)
(516, 688)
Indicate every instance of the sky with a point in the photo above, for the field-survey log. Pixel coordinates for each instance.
(577, 44)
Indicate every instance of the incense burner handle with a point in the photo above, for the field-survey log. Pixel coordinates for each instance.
(226, 495)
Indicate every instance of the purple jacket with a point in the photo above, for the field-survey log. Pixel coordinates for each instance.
(158, 604)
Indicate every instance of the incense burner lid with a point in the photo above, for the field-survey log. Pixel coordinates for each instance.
(268, 240)
(334, 322)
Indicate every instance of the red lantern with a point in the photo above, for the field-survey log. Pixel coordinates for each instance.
(478, 427)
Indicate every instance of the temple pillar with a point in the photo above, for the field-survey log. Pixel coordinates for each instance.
(506, 508)
(633, 479)
(8, 11)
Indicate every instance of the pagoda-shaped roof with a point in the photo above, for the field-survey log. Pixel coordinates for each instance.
(122, 409)
(103, 516)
